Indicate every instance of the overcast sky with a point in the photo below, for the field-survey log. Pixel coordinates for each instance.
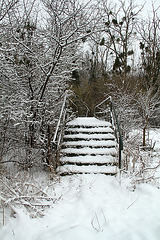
(148, 5)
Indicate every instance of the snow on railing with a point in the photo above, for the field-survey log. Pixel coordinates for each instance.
(62, 115)
(58, 135)
(57, 138)
(106, 110)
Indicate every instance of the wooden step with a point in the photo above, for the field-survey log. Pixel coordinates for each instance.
(94, 136)
(88, 121)
(74, 169)
(89, 130)
(90, 151)
(88, 159)
(89, 147)
(90, 143)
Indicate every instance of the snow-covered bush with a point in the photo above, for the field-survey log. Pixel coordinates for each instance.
(141, 165)
(30, 192)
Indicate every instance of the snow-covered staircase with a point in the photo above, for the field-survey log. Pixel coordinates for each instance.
(89, 146)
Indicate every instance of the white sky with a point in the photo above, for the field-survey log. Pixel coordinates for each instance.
(148, 6)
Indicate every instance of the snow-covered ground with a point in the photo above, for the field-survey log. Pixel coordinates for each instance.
(93, 207)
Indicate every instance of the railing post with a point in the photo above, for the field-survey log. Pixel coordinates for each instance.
(120, 153)
(59, 132)
(111, 111)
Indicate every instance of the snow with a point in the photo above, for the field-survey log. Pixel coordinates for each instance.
(86, 147)
(95, 143)
(87, 169)
(91, 159)
(90, 136)
(90, 151)
(88, 121)
(91, 207)
(154, 136)
(91, 130)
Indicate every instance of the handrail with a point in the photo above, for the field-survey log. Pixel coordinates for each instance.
(59, 120)
(114, 121)
(78, 104)
(57, 138)
(105, 100)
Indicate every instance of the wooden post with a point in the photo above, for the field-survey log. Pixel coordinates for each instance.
(144, 131)
(120, 154)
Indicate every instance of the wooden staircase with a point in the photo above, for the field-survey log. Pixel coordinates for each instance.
(89, 146)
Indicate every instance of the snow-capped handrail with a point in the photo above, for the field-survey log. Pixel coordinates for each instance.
(60, 119)
(58, 135)
(117, 130)
(105, 100)
(114, 120)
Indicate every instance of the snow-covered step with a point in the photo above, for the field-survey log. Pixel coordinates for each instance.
(90, 151)
(88, 121)
(91, 130)
(98, 159)
(74, 169)
(91, 143)
(89, 147)
(107, 136)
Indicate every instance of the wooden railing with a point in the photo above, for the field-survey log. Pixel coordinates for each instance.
(104, 110)
(58, 135)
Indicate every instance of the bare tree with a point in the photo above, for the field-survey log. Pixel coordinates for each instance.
(6, 6)
(149, 30)
(38, 61)
(119, 32)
